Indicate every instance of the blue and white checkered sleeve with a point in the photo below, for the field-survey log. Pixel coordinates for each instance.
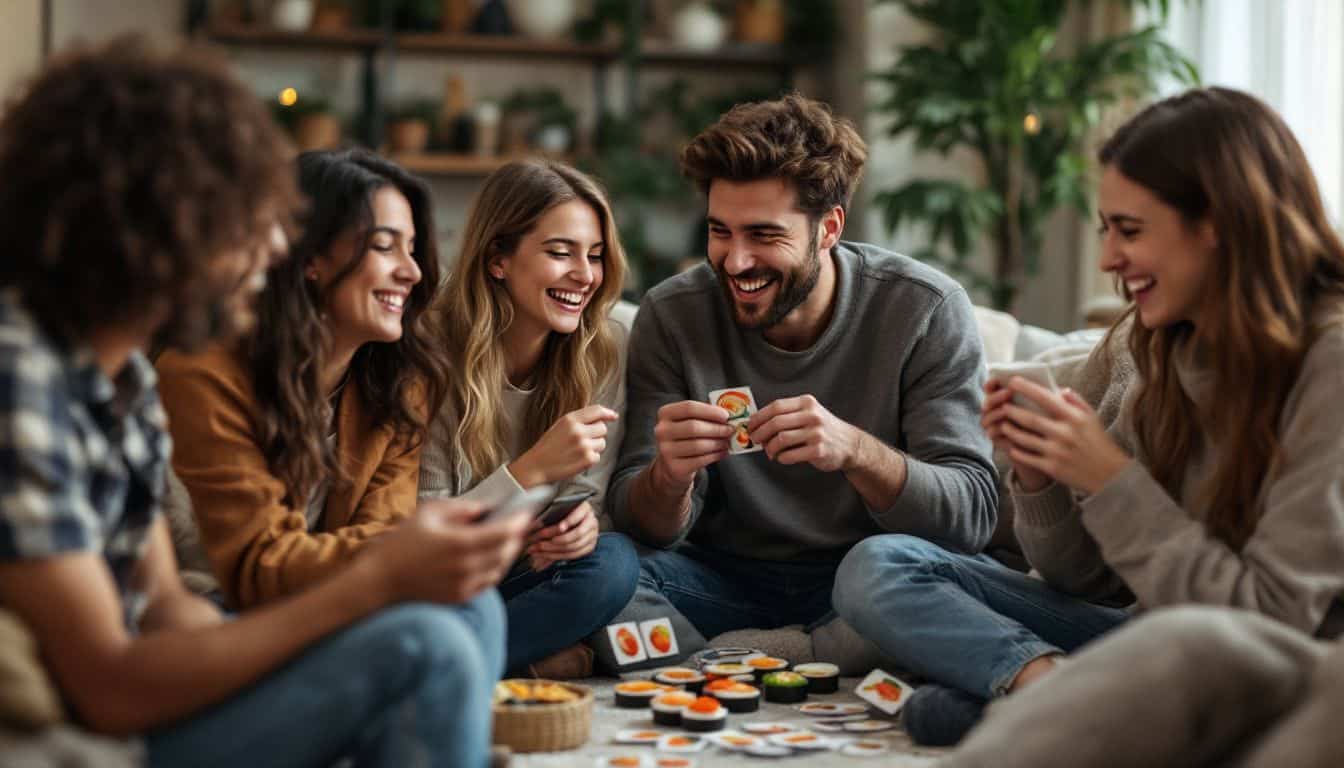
(45, 507)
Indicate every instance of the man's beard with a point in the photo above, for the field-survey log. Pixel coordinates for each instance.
(793, 290)
(218, 317)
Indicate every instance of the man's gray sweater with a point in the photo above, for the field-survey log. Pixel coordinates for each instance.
(901, 359)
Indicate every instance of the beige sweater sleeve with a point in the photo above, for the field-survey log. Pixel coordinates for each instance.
(1291, 569)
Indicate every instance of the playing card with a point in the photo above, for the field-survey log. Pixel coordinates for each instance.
(739, 404)
(884, 691)
(625, 642)
(659, 638)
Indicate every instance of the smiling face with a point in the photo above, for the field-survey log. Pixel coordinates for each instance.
(1163, 260)
(555, 271)
(368, 303)
(766, 252)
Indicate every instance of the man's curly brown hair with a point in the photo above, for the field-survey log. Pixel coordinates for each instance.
(792, 138)
(126, 172)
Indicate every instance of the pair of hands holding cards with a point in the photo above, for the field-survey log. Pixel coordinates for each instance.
(692, 435)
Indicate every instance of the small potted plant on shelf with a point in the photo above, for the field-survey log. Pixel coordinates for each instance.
(309, 119)
(539, 120)
(409, 125)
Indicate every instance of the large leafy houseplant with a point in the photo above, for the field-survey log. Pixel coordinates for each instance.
(996, 80)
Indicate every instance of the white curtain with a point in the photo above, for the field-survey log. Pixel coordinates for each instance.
(1287, 52)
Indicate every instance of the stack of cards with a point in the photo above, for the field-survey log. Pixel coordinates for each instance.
(739, 404)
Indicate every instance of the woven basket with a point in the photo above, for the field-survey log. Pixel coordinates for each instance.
(545, 727)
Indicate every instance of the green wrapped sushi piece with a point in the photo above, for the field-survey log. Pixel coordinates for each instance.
(785, 687)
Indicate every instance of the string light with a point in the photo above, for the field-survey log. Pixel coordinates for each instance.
(1031, 123)
(288, 97)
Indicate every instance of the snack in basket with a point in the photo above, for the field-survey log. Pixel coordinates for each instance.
(525, 693)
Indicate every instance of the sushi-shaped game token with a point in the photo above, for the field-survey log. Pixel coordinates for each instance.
(821, 677)
(638, 693)
(734, 741)
(638, 736)
(768, 729)
(834, 710)
(884, 691)
(739, 404)
(785, 687)
(869, 726)
(734, 696)
(668, 707)
(625, 643)
(674, 762)
(689, 679)
(728, 669)
(659, 639)
(679, 742)
(704, 715)
(624, 761)
(828, 726)
(768, 750)
(865, 748)
(727, 653)
(762, 665)
(801, 740)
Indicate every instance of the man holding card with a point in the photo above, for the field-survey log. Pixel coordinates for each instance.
(848, 377)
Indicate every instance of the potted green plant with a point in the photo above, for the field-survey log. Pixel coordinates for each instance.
(309, 119)
(995, 81)
(409, 125)
(540, 120)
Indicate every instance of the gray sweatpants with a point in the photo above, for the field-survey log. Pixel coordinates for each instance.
(1179, 687)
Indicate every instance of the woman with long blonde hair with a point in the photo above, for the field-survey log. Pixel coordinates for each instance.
(1220, 481)
(535, 397)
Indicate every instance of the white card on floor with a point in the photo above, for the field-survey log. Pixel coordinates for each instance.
(739, 404)
(625, 643)
(659, 638)
(885, 691)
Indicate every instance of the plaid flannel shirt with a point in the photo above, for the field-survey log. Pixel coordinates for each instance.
(82, 458)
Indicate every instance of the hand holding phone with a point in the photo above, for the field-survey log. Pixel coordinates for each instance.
(521, 503)
(557, 509)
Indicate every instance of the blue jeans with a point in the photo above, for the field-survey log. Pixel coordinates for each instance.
(964, 621)
(556, 608)
(409, 686)
(718, 592)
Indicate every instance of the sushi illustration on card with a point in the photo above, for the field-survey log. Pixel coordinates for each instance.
(884, 691)
(739, 404)
(625, 643)
(659, 639)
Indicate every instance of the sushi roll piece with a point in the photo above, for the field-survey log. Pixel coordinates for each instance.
(668, 707)
(638, 693)
(821, 677)
(785, 687)
(734, 696)
(705, 714)
(763, 665)
(689, 679)
(728, 669)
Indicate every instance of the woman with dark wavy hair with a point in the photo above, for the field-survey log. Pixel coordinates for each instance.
(302, 444)
(538, 386)
(1219, 482)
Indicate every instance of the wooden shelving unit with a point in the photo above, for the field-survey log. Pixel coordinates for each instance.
(346, 40)
(387, 45)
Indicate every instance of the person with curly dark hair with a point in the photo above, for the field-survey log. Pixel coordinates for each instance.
(145, 195)
(300, 445)
(865, 365)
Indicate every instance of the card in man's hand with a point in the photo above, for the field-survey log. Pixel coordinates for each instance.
(739, 404)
